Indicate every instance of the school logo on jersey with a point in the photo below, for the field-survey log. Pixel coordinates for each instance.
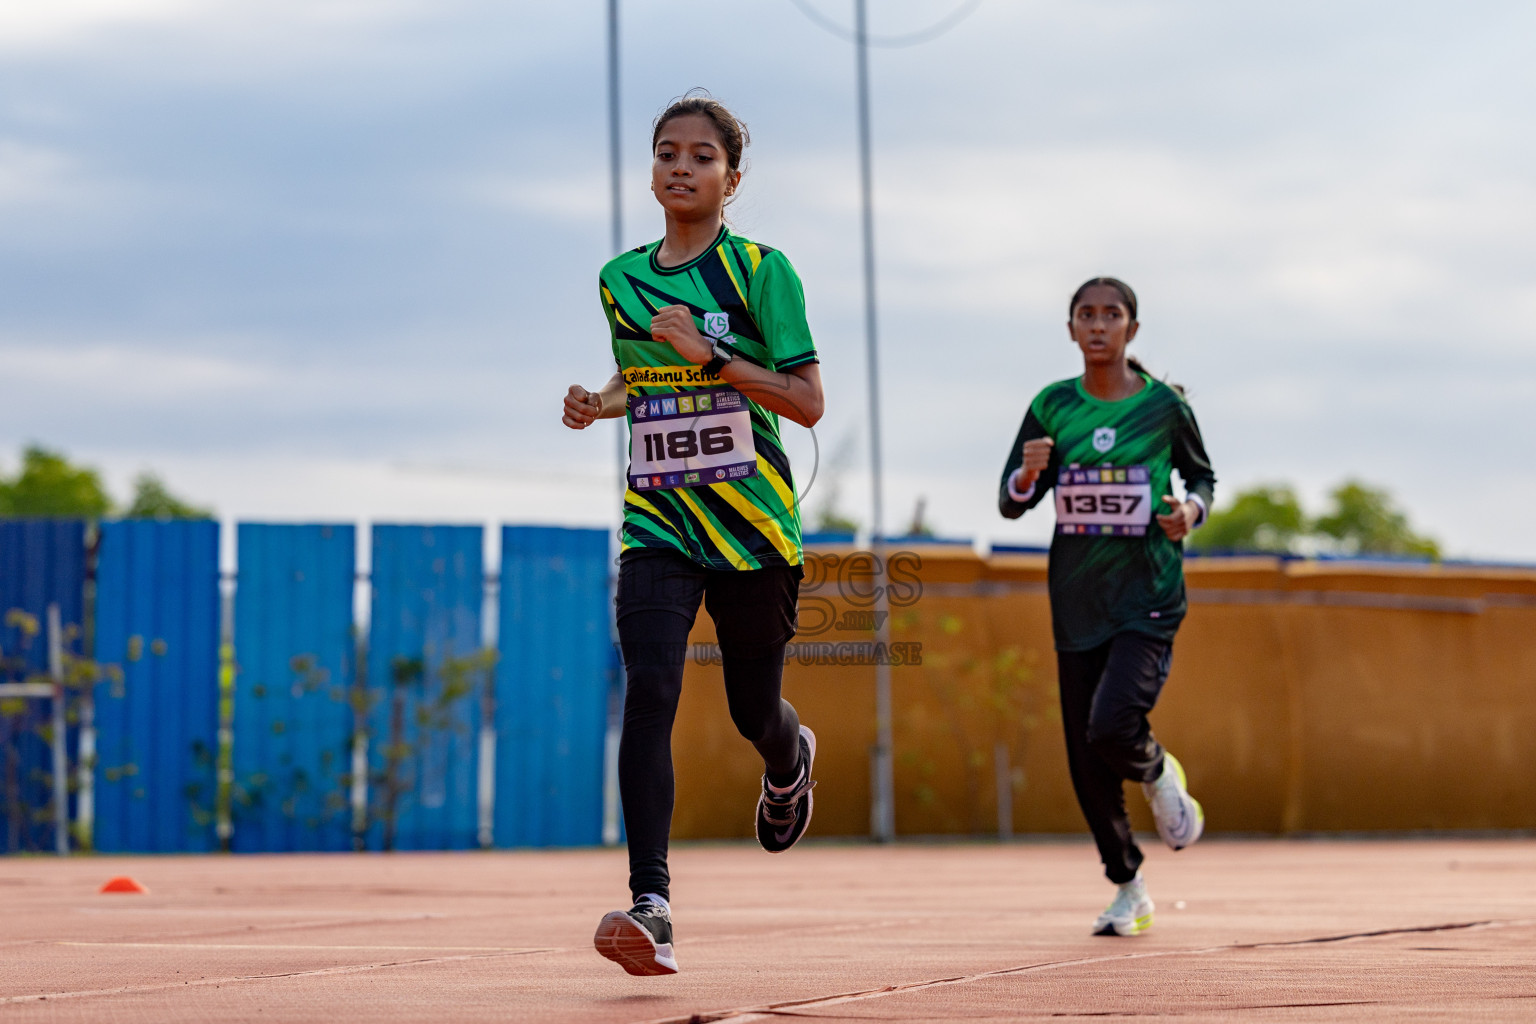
(717, 325)
(1104, 438)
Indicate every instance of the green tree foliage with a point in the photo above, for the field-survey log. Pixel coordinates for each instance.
(1364, 519)
(48, 485)
(1264, 518)
(151, 500)
(1361, 520)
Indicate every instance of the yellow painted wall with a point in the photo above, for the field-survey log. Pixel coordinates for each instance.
(1303, 697)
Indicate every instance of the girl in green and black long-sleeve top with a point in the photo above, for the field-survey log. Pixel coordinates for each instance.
(1108, 442)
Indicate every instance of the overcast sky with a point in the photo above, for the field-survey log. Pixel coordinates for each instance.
(337, 258)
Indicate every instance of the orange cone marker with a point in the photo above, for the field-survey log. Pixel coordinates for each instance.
(122, 883)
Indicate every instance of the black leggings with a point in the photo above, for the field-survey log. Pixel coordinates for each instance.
(1106, 693)
(754, 613)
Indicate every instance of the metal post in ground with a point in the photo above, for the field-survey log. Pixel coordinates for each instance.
(621, 457)
(85, 773)
(485, 784)
(882, 811)
(60, 752)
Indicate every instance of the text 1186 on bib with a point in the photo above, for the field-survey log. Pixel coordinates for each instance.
(1106, 501)
(690, 439)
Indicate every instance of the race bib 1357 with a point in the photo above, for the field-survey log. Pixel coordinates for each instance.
(1105, 501)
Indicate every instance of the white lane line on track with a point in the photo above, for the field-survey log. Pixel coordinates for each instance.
(251, 930)
(776, 1011)
(42, 997)
(470, 953)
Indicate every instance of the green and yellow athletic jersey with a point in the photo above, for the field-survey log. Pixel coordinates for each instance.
(1112, 568)
(748, 297)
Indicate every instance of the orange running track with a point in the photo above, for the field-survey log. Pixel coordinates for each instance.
(1257, 931)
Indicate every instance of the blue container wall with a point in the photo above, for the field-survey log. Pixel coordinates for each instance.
(293, 720)
(552, 682)
(42, 562)
(428, 592)
(157, 616)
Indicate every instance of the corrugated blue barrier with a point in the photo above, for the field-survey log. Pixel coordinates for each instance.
(552, 682)
(293, 720)
(42, 562)
(157, 616)
(428, 592)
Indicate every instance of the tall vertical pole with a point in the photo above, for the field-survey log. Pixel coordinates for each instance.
(621, 456)
(615, 157)
(882, 811)
(60, 753)
(616, 201)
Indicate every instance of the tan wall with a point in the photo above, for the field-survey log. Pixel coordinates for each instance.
(1303, 696)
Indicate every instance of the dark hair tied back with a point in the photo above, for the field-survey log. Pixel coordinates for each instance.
(1128, 296)
(733, 133)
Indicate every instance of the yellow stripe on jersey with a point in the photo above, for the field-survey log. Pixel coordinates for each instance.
(618, 314)
(758, 518)
(730, 551)
(725, 261)
(754, 254)
(770, 474)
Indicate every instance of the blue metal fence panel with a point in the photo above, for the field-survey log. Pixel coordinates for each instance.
(293, 721)
(428, 591)
(157, 616)
(552, 682)
(42, 562)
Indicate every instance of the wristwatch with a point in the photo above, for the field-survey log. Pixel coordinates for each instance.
(722, 356)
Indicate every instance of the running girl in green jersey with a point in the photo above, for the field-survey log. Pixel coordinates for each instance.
(1108, 442)
(711, 343)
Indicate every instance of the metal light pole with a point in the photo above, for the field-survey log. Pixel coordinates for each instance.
(882, 807)
(611, 809)
(616, 198)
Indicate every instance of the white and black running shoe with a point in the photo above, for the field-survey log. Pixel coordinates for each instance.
(1130, 913)
(638, 939)
(784, 814)
(1179, 816)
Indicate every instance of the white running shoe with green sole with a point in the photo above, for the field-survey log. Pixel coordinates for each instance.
(1179, 816)
(1129, 914)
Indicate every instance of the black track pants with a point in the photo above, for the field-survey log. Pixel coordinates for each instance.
(1106, 693)
(754, 613)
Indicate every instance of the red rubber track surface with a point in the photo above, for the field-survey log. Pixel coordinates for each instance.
(1282, 931)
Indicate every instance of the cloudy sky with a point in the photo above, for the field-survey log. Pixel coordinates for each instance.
(336, 258)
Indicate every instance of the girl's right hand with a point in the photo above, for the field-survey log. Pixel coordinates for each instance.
(581, 407)
(1037, 455)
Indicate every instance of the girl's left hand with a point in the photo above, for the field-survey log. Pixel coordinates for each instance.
(674, 325)
(1181, 520)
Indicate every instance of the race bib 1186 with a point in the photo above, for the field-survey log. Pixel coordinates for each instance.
(690, 439)
(1106, 501)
